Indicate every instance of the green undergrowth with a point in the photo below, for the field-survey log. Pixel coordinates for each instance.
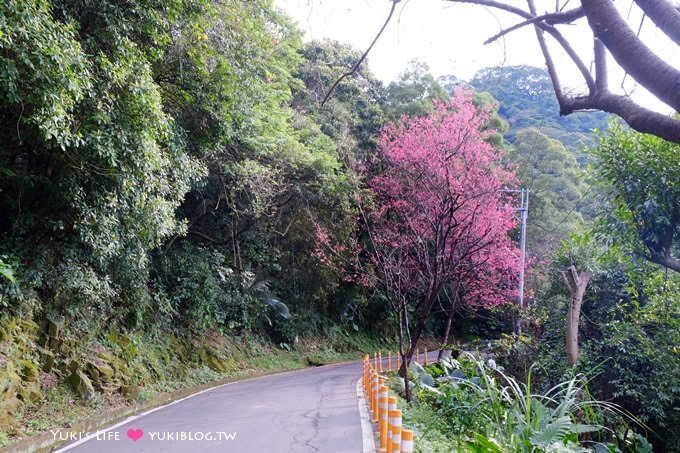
(52, 377)
(472, 405)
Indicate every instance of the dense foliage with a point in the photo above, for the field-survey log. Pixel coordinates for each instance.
(556, 187)
(639, 174)
(527, 99)
(629, 328)
(489, 411)
(166, 166)
(153, 162)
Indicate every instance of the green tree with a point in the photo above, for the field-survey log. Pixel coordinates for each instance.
(557, 189)
(92, 173)
(639, 174)
(628, 336)
(273, 156)
(412, 94)
(527, 99)
(352, 117)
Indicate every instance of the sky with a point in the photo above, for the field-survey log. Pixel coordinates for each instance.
(450, 37)
(435, 32)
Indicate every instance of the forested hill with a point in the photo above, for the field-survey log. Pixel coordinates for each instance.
(527, 99)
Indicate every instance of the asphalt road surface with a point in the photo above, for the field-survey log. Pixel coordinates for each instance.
(311, 410)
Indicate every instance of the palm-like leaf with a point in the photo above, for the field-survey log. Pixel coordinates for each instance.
(260, 291)
(552, 433)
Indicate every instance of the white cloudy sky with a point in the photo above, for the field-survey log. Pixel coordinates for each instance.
(448, 37)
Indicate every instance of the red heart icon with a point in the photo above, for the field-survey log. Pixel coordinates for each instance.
(135, 434)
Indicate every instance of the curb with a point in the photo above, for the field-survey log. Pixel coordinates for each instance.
(367, 437)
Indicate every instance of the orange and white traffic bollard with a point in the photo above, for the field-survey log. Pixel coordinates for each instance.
(395, 421)
(425, 356)
(376, 398)
(383, 422)
(375, 385)
(391, 407)
(364, 376)
(406, 441)
(380, 365)
(389, 360)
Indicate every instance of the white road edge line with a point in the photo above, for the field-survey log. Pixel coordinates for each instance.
(99, 432)
(366, 428)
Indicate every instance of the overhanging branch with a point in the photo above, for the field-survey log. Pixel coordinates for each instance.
(639, 118)
(660, 78)
(565, 17)
(355, 68)
(664, 15)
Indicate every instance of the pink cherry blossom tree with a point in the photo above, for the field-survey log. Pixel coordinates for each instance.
(435, 217)
(438, 212)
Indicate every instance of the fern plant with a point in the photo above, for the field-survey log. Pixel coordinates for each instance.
(260, 293)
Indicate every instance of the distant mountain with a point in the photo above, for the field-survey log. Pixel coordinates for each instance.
(527, 99)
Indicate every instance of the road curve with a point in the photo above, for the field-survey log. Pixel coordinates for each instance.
(310, 410)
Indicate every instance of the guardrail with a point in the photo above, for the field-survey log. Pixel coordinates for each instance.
(383, 408)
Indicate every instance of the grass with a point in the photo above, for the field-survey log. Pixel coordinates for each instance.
(60, 407)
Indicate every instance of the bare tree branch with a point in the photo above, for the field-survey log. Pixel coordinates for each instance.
(611, 33)
(639, 118)
(665, 261)
(664, 15)
(363, 57)
(550, 64)
(583, 69)
(660, 78)
(549, 18)
(600, 52)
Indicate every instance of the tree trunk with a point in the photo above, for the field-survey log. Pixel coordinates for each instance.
(450, 313)
(447, 332)
(415, 336)
(403, 370)
(576, 284)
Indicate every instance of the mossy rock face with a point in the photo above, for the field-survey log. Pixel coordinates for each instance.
(8, 408)
(107, 356)
(117, 365)
(53, 329)
(154, 366)
(49, 334)
(108, 388)
(10, 382)
(55, 344)
(30, 393)
(73, 366)
(125, 343)
(215, 364)
(47, 361)
(130, 391)
(81, 384)
(30, 371)
(99, 370)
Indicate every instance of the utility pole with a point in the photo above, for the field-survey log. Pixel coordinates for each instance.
(523, 211)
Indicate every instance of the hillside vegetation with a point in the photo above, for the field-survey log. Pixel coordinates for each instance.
(178, 207)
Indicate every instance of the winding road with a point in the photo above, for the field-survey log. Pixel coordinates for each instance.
(311, 410)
